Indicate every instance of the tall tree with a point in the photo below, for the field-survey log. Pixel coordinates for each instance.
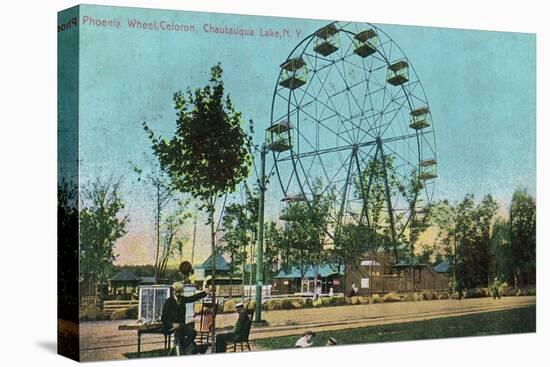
(172, 237)
(502, 265)
(523, 234)
(101, 225)
(156, 179)
(209, 153)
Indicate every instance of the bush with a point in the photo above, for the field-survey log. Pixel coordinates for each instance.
(444, 295)
(92, 313)
(286, 304)
(377, 299)
(133, 312)
(392, 297)
(119, 314)
(307, 303)
(364, 300)
(318, 302)
(474, 293)
(428, 295)
(338, 300)
(416, 296)
(229, 306)
(354, 300)
(272, 305)
(296, 304)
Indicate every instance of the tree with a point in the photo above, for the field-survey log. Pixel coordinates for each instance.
(240, 223)
(172, 237)
(523, 234)
(305, 233)
(351, 244)
(67, 250)
(272, 253)
(209, 153)
(502, 265)
(163, 195)
(101, 225)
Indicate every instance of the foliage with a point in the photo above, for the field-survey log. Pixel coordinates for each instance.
(101, 225)
(523, 238)
(502, 266)
(163, 195)
(172, 237)
(209, 153)
(67, 250)
(240, 222)
(465, 231)
(375, 186)
(130, 313)
(304, 237)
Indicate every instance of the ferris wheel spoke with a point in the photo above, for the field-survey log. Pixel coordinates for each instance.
(397, 110)
(349, 90)
(333, 109)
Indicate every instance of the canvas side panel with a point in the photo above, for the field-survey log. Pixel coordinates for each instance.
(67, 183)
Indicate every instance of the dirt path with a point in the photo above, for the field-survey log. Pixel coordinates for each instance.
(103, 340)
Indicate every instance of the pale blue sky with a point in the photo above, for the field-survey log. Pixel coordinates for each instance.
(480, 86)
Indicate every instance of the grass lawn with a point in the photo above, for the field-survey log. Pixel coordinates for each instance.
(521, 320)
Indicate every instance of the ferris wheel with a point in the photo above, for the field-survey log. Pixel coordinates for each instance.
(350, 115)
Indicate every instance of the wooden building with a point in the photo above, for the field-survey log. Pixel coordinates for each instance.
(294, 280)
(381, 275)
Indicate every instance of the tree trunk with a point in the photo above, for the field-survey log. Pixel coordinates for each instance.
(213, 282)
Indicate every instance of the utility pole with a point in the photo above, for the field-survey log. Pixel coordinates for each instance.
(260, 245)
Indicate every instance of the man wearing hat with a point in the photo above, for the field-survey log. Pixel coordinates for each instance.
(306, 340)
(173, 316)
(240, 331)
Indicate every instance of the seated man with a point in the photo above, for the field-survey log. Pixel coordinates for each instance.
(240, 331)
(173, 317)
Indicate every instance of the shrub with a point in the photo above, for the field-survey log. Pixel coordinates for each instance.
(92, 313)
(444, 295)
(296, 304)
(354, 300)
(272, 305)
(318, 302)
(428, 294)
(286, 304)
(119, 314)
(306, 303)
(474, 293)
(392, 297)
(364, 300)
(377, 299)
(229, 306)
(338, 300)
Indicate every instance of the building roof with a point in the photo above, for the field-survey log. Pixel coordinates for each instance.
(324, 271)
(442, 267)
(221, 263)
(406, 263)
(125, 276)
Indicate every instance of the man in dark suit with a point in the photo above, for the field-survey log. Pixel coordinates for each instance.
(240, 331)
(173, 316)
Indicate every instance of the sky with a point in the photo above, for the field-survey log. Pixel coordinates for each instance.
(480, 87)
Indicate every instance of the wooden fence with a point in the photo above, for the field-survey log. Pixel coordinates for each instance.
(111, 306)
